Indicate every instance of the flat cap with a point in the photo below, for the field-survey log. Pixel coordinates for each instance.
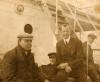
(52, 55)
(25, 35)
(93, 36)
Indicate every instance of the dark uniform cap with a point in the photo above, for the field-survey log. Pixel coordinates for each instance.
(25, 35)
(93, 36)
(52, 55)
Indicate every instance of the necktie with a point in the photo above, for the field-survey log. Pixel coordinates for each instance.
(66, 42)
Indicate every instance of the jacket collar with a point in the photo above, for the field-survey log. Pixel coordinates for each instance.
(70, 41)
(20, 50)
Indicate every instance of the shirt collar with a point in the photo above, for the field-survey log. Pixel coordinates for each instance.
(88, 43)
(26, 53)
(67, 40)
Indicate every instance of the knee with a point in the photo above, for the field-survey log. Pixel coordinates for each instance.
(91, 68)
(61, 73)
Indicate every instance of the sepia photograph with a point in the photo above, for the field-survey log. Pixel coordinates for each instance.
(49, 41)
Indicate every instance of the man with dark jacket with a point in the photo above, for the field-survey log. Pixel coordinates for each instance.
(18, 64)
(89, 61)
(69, 57)
(49, 71)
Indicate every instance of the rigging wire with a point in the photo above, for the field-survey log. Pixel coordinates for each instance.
(56, 16)
(86, 46)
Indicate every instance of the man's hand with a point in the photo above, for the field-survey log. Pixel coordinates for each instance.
(46, 80)
(62, 65)
(68, 68)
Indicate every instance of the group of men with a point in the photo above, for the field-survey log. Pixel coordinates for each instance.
(74, 59)
(70, 60)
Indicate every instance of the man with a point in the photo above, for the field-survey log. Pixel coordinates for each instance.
(69, 57)
(18, 64)
(49, 71)
(89, 61)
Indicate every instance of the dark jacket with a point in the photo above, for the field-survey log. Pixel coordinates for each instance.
(18, 67)
(88, 55)
(49, 71)
(71, 53)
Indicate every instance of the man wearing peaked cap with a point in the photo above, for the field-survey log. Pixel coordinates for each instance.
(88, 57)
(49, 71)
(25, 41)
(52, 58)
(52, 55)
(18, 64)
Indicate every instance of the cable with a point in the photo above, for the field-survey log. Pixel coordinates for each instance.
(57, 16)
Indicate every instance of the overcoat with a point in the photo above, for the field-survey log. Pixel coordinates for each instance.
(72, 53)
(19, 67)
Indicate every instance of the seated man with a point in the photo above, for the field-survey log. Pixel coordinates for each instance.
(18, 64)
(69, 57)
(49, 71)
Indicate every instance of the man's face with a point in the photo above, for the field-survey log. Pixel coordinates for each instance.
(65, 31)
(90, 40)
(26, 43)
(52, 60)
